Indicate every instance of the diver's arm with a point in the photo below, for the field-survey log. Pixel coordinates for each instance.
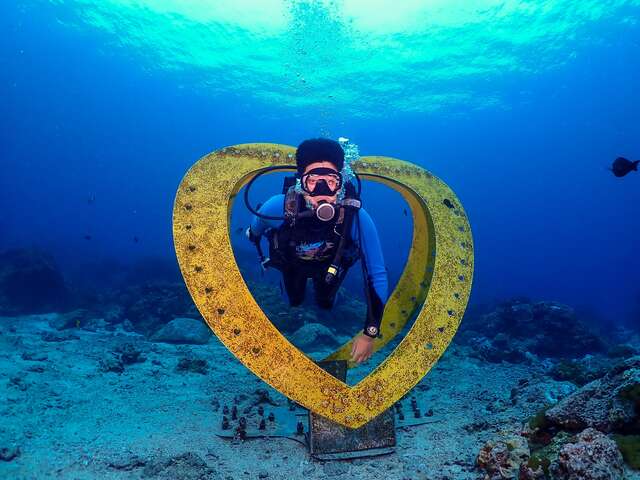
(377, 283)
(273, 207)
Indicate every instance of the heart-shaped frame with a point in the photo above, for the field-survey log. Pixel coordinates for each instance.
(439, 272)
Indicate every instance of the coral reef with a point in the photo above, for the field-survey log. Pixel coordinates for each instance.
(519, 331)
(608, 404)
(591, 456)
(501, 459)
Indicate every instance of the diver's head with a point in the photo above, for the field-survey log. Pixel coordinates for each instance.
(319, 162)
(319, 150)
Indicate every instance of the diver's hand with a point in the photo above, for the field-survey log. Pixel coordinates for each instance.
(362, 348)
(251, 236)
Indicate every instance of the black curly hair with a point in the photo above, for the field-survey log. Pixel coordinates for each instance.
(318, 150)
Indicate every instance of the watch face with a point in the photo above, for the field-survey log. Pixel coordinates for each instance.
(372, 330)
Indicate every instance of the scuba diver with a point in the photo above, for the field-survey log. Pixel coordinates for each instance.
(317, 229)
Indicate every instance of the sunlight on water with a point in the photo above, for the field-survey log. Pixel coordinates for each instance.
(365, 57)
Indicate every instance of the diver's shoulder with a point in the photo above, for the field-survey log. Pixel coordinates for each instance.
(274, 199)
(273, 205)
(364, 215)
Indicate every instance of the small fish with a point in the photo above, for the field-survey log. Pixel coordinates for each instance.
(404, 210)
(135, 239)
(92, 198)
(621, 166)
(87, 237)
(240, 230)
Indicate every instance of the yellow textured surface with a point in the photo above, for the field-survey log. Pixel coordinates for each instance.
(439, 273)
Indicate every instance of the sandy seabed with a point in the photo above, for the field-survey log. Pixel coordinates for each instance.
(71, 420)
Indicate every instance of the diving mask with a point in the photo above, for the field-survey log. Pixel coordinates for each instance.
(321, 181)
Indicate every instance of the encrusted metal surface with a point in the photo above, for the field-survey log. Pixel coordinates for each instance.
(442, 245)
(328, 439)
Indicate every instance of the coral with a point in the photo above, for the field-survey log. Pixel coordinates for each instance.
(501, 459)
(580, 371)
(130, 354)
(608, 403)
(194, 365)
(111, 364)
(518, 331)
(592, 456)
(539, 420)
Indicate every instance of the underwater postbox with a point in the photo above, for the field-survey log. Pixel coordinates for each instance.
(435, 284)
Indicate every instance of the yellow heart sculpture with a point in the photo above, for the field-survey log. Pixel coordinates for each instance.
(437, 281)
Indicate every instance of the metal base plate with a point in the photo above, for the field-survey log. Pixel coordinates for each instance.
(325, 439)
(330, 440)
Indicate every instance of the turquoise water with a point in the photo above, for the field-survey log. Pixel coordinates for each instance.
(519, 106)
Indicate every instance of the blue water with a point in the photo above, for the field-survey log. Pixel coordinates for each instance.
(90, 109)
(519, 106)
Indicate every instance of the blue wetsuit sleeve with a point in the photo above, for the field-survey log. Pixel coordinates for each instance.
(273, 207)
(366, 235)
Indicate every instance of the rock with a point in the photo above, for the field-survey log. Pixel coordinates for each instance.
(581, 371)
(58, 337)
(541, 393)
(607, 404)
(151, 306)
(30, 282)
(537, 467)
(94, 324)
(501, 459)
(9, 453)
(74, 319)
(18, 382)
(314, 336)
(187, 466)
(113, 314)
(127, 462)
(592, 456)
(263, 396)
(34, 356)
(183, 331)
(334, 469)
(622, 350)
(111, 364)
(194, 365)
(130, 354)
(485, 349)
(518, 331)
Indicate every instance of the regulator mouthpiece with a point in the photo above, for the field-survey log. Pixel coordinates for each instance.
(325, 211)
